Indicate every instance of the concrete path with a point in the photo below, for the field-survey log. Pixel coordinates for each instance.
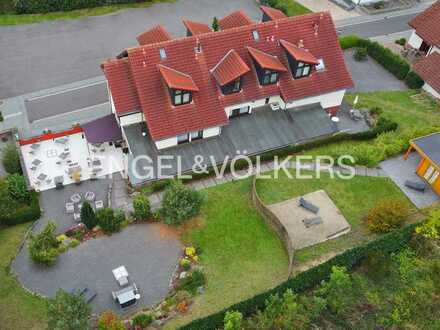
(39, 56)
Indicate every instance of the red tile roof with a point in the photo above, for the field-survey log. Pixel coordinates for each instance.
(427, 24)
(196, 28)
(229, 68)
(272, 13)
(299, 54)
(429, 69)
(266, 61)
(122, 86)
(207, 108)
(177, 80)
(154, 35)
(236, 19)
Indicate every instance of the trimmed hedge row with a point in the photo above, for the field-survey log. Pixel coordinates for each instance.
(389, 243)
(385, 57)
(45, 6)
(25, 213)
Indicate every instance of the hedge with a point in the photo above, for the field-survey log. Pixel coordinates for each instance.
(25, 213)
(45, 6)
(390, 61)
(413, 80)
(389, 243)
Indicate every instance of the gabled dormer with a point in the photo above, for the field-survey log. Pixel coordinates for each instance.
(301, 61)
(229, 72)
(268, 67)
(180, 85)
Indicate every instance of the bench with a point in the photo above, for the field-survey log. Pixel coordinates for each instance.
(308, 206)
(312, 222)
(419, 186)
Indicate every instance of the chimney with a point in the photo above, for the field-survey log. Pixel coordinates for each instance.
(198, 48)
(316, 28)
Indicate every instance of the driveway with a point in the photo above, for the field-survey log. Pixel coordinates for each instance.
(370, 76)
(39, 56)
(148, 251)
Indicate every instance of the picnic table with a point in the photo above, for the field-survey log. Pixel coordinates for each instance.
(36, 162)
(41, 176)
(121, 275)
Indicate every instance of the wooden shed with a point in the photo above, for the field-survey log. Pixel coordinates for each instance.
(428, 147)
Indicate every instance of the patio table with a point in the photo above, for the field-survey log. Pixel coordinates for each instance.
(41, 176)
(121, 275)
(35, 146)
(36, 162)
(75, 198)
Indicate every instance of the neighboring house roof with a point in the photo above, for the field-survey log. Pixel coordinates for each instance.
(177, 80)
(266, 61)
(230, 67)
(299, 54)
(122, 87)
(430, 146)
(156, 34)
(236, 19)
(429, 69)
(208, 104)
(427, 24)
(196, 28)
(272, 13)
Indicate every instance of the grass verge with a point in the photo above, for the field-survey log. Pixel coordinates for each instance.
(240, 255)
(18, 308)
(14, 19)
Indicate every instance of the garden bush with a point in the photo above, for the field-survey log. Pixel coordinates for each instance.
(360, 54)
(43, 247)
(108, 221)
(88, 216)
(142, 320)
(142, 208)
(413, 80)
(350, 41)
(68, 311)
(388, 243)
(233, 321)
(110, 321)
(18, 188)
(179, 204)
(193, 281)
(16, 213)
(387, 215)
(401, 41)
(11, 160)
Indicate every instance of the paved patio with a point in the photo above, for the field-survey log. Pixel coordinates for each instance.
(148, 251)
(400, 170)
(263, 130)
(369, 76)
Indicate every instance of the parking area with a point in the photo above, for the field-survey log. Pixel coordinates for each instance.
(370, 76)
(149, 252)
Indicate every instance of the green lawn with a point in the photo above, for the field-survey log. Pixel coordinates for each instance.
(18, 309)
(240, 255)
(354, 198)
(13, 19)
(417, 115)
(291, 7)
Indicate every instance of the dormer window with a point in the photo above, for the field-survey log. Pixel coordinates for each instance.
(229, 72)
(180, 96)
(267, 66)
(269, 77)
(302, 70)
(232, 87)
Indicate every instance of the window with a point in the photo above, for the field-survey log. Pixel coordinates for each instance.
(181, 97)
(196, 135)
(269, 77)
(239, 112)
(302, 70)
(232, 87)
(183, 138)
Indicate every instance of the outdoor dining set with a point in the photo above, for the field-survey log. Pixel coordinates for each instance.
(75, 204)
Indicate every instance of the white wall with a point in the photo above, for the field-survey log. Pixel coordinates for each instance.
(326, 100)
(431, 90)
(133, 118)
(254, 104)
(209, 132)
(434, 49)
(166, 143)
(415, 41)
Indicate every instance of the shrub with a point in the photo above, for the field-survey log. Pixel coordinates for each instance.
(74, 243)
(215, 25)
(401, 41)
(413, 80)
(18, 188)
(43, 247)
(16, 214)
(11, 160)
(108, 221)
(387, 215)
(376, 111)
(360, 54)
(110, 321)
(179, 204)
(233, 321)
(185, 263)
(142, 208)
(142, 320)
(192, 281)
(88, 216)
(379, 5)
(68, 312)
